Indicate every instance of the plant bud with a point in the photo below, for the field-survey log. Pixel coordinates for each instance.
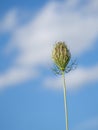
(61, 55)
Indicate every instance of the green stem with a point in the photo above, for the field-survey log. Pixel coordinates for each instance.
(65, 100)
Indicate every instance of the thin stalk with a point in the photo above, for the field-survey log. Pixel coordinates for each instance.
(65, 100)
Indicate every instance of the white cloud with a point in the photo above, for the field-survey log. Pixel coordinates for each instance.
(75, 79)
(15, 76)
(36, 38)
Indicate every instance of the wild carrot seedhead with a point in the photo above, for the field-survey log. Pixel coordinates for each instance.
(61, 55)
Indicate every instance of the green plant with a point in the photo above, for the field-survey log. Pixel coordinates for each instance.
(61, 57)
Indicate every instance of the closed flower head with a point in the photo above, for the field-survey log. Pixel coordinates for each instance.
(61, 55)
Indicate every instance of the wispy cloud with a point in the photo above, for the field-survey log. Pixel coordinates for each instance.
(34, 40)
(15, 76)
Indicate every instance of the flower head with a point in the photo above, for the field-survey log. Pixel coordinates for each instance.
(61, 55)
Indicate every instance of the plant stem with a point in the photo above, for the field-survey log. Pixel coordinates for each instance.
(65, 100)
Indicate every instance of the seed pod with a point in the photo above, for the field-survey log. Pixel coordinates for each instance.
(61, 55)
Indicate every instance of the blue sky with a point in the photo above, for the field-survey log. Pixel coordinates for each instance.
(31, 96)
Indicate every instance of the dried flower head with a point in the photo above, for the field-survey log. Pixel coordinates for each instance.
(61, 55)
